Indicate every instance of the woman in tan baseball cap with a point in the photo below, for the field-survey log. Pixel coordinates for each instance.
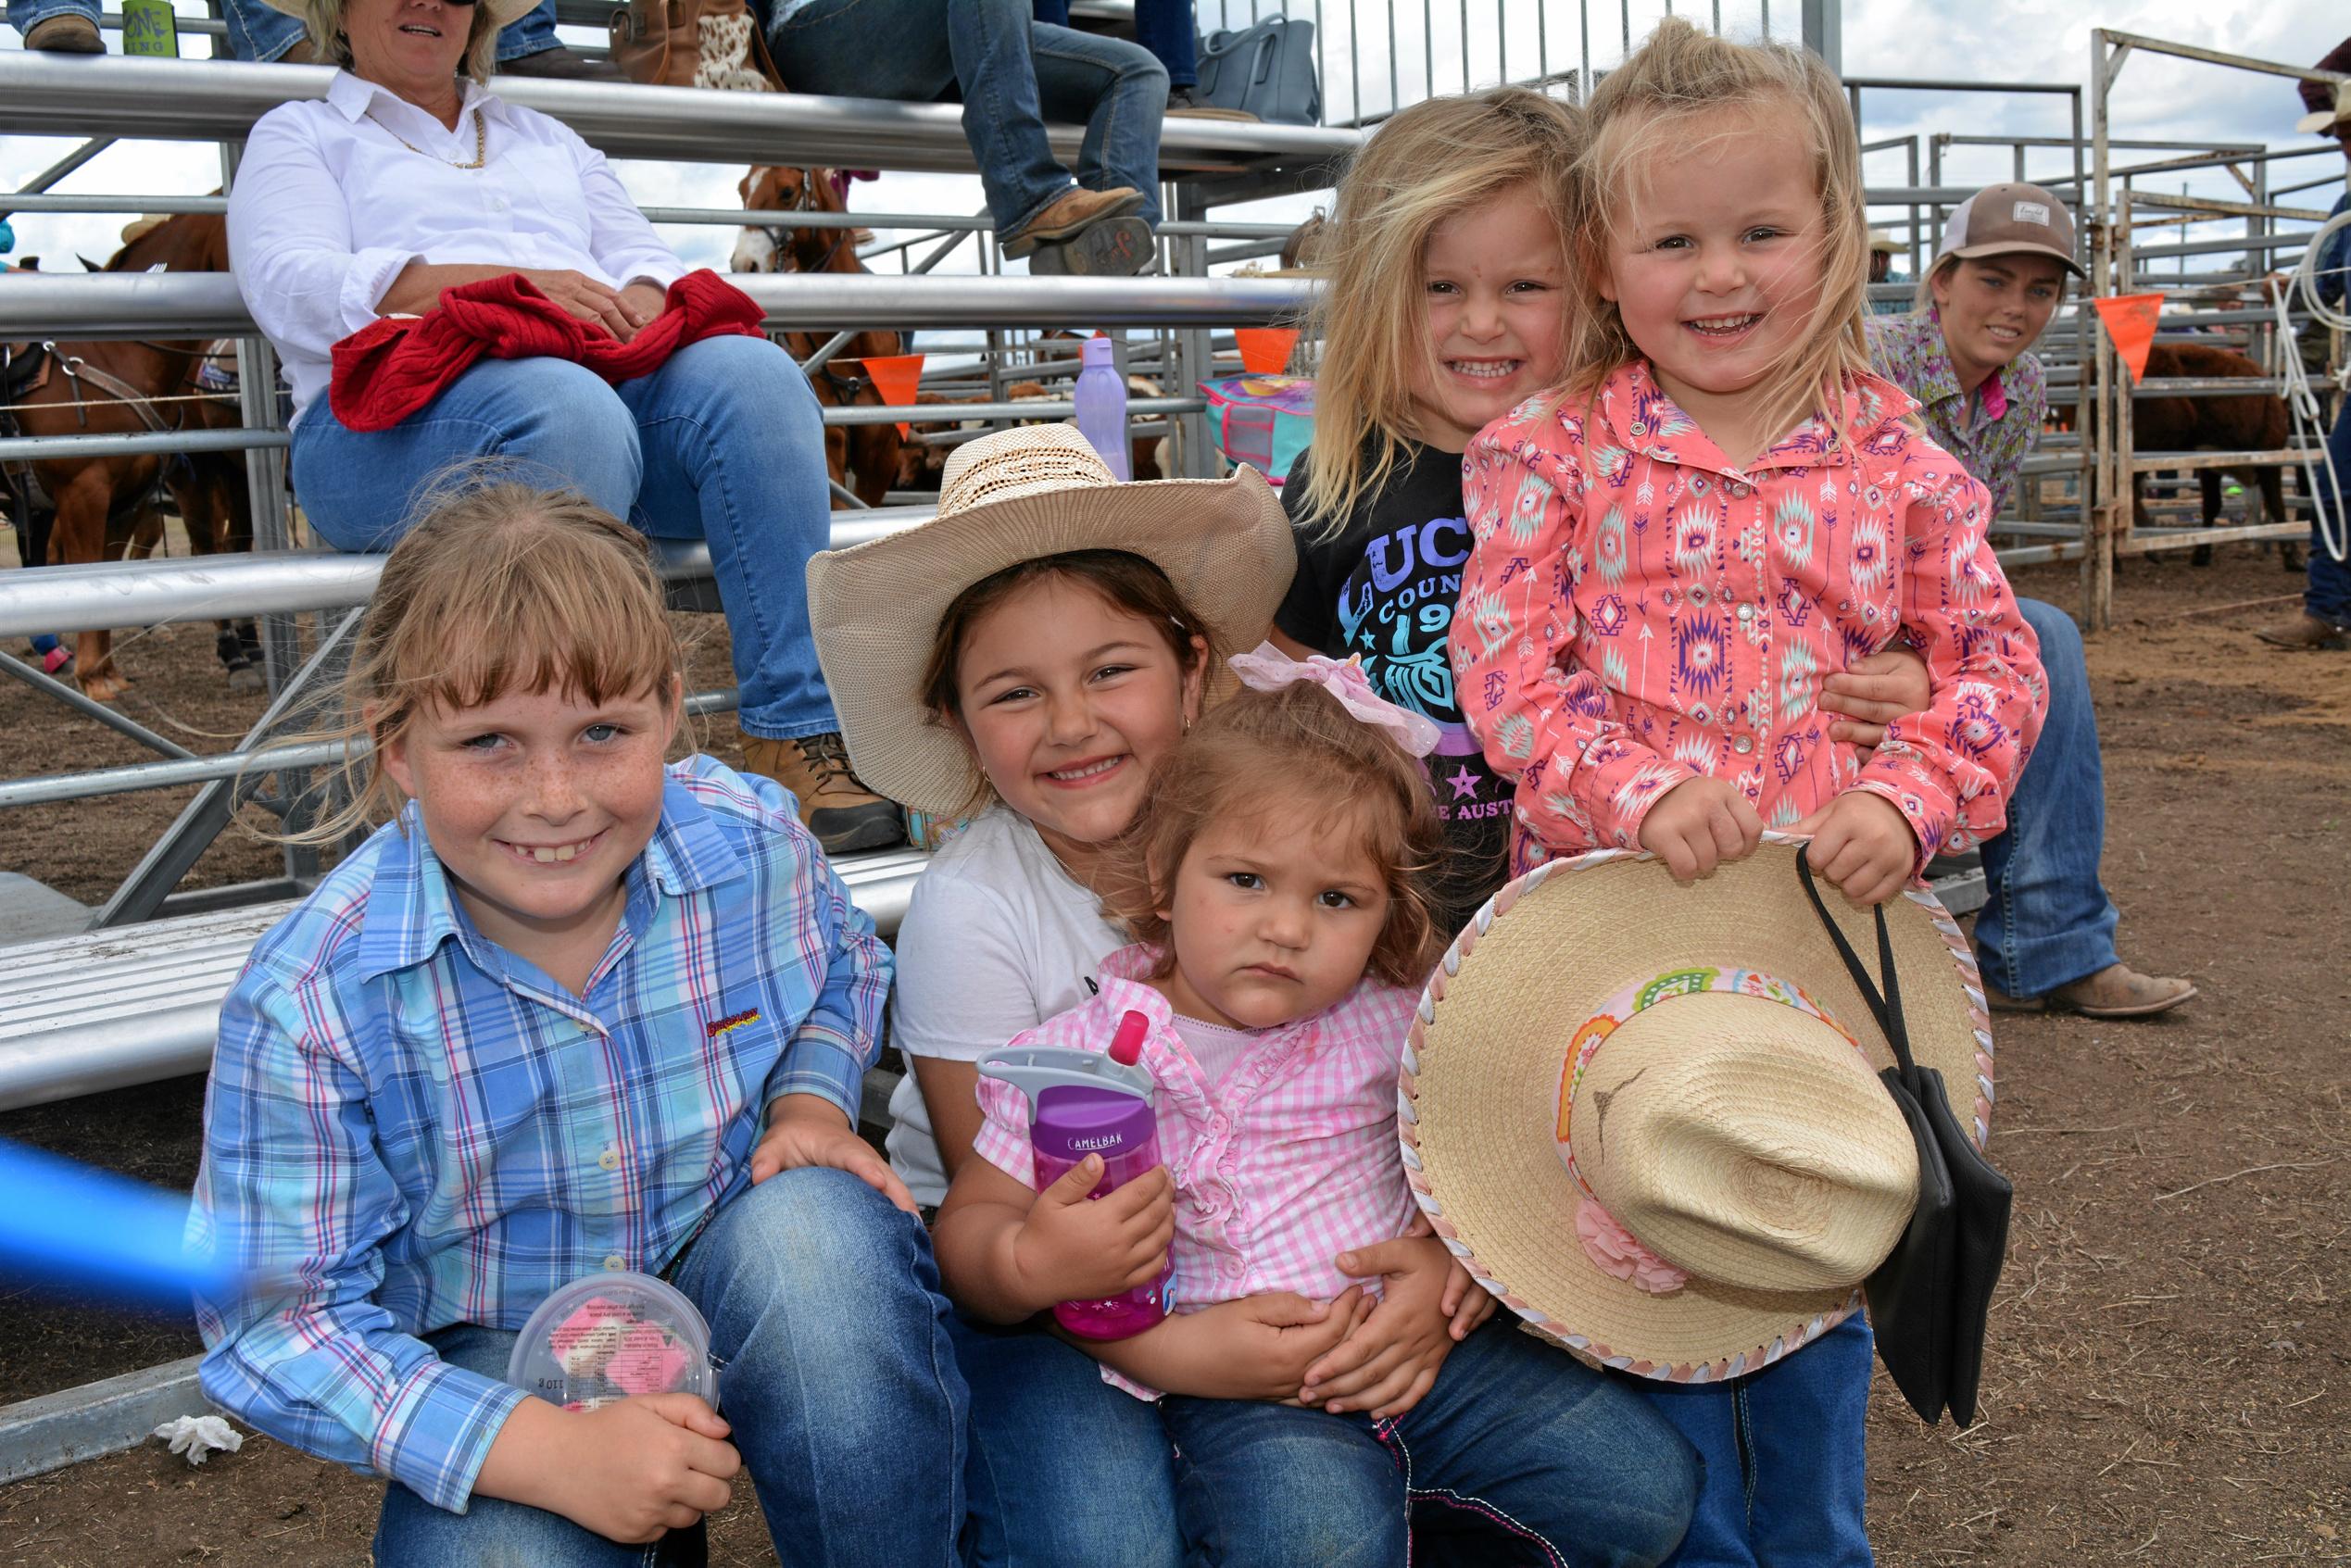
(2046, 933)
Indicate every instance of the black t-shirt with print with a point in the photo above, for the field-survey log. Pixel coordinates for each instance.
(1383, 587)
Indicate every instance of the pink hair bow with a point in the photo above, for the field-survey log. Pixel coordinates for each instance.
(1269, 668)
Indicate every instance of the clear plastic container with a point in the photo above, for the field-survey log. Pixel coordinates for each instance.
(610, 1336)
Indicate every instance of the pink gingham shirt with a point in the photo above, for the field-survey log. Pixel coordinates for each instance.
(1636, 612)
(1287, 1161)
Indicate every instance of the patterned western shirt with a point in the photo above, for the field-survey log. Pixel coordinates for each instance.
(1289, 1160)
(410, 1127)
(1637, 612)
(1992, 432)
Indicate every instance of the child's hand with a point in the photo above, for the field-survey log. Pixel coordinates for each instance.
(637, 1467)
(1873, 693)
(1862, 844)
(1260, 1346)
(1699, 824)
(805, 1130)
(1072, 1247)
(1387, 1364)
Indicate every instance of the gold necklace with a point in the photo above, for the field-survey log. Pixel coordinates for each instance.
(481, 142)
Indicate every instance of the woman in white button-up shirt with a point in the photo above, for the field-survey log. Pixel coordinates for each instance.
(412, 178)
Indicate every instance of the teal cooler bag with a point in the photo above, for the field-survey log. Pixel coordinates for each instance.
(1264, 421)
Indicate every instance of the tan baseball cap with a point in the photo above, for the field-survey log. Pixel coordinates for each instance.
(2005, 220)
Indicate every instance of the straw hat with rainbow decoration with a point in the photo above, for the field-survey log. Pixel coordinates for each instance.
(1647, 1116)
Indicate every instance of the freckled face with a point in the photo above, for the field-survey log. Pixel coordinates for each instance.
(535, 804)
(1273, 919)
(1993, 307)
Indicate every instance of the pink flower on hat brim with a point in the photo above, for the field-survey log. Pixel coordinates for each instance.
(1269, 669)
(1615, 1252)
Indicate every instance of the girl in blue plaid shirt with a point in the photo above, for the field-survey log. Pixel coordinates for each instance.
(570, 1011)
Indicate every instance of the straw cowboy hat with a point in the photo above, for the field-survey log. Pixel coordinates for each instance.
(501, 11)
(1014, 496)
(1648, 1117)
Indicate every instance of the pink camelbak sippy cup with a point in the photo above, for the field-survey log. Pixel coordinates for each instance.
(1080, 1103)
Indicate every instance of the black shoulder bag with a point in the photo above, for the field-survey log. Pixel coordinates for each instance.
(1930, 1299)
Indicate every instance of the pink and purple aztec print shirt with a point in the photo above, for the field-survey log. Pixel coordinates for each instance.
(1286, 1162)
(1636, 612)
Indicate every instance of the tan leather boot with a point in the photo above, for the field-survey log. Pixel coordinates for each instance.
(1070, 213)
(2115, 991)
(2304, 631)
(68, 33)
(845, 816)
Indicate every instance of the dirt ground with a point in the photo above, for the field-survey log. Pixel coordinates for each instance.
(2168, 1377)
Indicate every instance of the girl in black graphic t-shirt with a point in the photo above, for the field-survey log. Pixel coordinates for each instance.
(1443, 311)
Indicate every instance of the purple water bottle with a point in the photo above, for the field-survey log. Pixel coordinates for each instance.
(1101, 404)
(1081, 1103)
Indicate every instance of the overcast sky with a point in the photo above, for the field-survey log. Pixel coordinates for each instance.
(2010, 40)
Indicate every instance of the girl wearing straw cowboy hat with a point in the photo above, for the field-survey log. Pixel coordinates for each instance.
(1685, 1166)
(1028, 658)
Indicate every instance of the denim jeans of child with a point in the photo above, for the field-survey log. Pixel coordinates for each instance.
(2329, 596)
(838, 1379)
(1065, 1469)
(1782, 1450)
(260, 31)
(1012, 74)
(2046, 920)
(1562, 1463)
(723, 442)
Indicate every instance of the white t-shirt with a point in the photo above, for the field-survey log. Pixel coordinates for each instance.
(998, 938)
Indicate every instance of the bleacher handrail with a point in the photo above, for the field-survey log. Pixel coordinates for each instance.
(183, 100)
(188, 305)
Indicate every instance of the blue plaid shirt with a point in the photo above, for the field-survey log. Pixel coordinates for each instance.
(410, 1127)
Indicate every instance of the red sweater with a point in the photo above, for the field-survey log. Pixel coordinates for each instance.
(393, 367)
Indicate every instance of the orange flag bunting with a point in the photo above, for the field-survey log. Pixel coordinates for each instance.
(1265, 351)
(2131, 324)
(895, 377)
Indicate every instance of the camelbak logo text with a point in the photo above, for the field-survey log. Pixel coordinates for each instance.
(1107, 1140)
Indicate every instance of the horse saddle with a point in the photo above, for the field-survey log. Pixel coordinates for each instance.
(24, 370)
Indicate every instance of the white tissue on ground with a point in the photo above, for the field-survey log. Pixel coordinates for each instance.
(198, 1436)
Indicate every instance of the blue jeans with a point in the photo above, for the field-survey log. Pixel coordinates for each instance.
(1782, 1448)
(723, 442)
(1065, 1469)
(2046, 920)
(2329, 596)
(840, 1382)
(258, 32)
(1565, 1465)
(1012, 74)
(1165, 27)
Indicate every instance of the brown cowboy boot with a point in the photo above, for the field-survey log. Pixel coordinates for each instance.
(2305, 632)
(2115, 991)
(68, 33)
(1070, 214)
(835, 805)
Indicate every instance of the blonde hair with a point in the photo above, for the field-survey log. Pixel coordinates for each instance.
(500, 588)
(1257, 756)
(1682, 87)
(324, 19)
(1428, 163)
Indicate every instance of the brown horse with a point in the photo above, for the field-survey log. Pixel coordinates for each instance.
(869, 451)
(105, 505)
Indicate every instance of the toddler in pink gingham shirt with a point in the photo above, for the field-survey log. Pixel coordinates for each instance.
(1279, 878)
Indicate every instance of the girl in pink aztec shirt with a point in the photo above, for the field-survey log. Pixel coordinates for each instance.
(1278, 882)
(1721, 508)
